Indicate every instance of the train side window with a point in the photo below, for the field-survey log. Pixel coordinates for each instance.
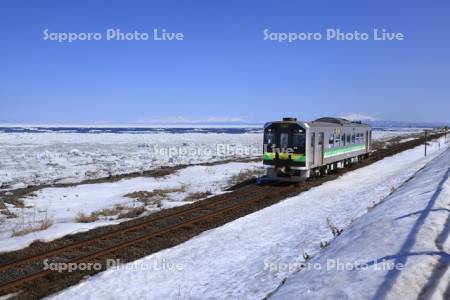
(331, 141)
(344, 139)
(337, 141)
(349, 138)
(353, 139)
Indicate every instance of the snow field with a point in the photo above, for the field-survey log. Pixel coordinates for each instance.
(401, 247)
(247, 258)
(64, 205)
(39, 158)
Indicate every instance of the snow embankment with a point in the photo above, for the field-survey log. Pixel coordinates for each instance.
(399, 250)
(251, 256)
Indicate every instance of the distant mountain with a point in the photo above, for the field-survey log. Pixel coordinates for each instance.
(359, 117)
(376, 122)
(406, 124)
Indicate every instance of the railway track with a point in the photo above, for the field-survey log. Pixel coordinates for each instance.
(27, 273)
(114, 241)
(138, 226)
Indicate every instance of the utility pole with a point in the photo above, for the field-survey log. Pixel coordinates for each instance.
(445, 134)
(426, 132)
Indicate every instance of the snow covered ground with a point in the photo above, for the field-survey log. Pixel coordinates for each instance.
(382, 134)
(64, 205)
(48, 157)
(45, 156)
(251, 256)
(400, 250)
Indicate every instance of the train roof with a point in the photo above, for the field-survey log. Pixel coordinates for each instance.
(332, 122)
(322, 122)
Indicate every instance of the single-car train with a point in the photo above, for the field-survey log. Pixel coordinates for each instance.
(295, 151)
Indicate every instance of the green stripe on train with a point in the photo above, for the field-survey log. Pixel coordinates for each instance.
(343, 150)
(268, 156)
(300, 158)
(284, 156)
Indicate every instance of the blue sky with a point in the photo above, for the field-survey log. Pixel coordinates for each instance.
(223, 69)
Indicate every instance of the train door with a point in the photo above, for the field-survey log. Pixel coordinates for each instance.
(367, 141)
(313, 148)
(320, 148)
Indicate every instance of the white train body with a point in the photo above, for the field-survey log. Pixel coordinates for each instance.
(294, 150)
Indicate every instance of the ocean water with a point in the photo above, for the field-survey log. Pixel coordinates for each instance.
(131, 130)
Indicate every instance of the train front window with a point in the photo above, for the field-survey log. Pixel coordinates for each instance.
(269, 138)
(299, 141)
(284, 140)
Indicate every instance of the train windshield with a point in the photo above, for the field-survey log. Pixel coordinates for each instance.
(284, 140)
(282, 137)
(299, 140)
(269, 138)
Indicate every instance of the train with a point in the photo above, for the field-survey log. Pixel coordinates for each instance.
(295, 151)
